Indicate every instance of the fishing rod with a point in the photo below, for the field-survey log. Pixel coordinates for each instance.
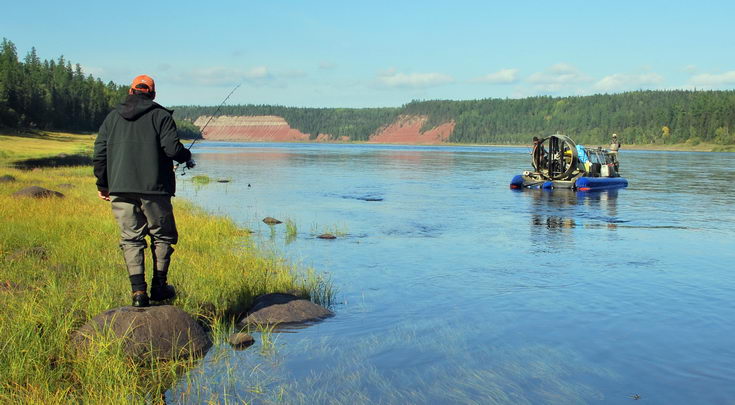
(183, 171)
(213, 115)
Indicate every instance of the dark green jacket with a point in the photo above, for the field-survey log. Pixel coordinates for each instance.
(135, 149)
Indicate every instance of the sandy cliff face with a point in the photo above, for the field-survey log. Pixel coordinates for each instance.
(407, 129)
(268, 128)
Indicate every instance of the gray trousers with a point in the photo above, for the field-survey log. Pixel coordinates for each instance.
(145, 214)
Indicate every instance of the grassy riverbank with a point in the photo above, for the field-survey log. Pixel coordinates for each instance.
(60, 265)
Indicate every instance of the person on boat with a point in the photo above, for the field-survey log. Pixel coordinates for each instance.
(133, 163)
(614, 147)
(538, 153)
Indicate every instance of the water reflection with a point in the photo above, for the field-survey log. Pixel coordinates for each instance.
(554, 215)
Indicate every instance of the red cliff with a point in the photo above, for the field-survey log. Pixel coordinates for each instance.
(405, 129)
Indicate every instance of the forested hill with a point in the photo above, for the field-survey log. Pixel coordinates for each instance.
(673, 116)
(51, 94)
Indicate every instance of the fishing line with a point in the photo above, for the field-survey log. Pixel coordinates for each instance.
(183, 170)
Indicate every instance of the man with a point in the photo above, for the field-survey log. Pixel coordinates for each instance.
(538, 154)
(133, 163)
(614, 147)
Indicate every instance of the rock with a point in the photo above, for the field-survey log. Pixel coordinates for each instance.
(279, 308)
(223, 180)
(7, 179)
(326, 236)
(271, 221)
(165, 332)
(65, 186)
(241, 340)
(37, 192)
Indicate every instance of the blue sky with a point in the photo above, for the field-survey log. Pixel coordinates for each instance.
(384, 53)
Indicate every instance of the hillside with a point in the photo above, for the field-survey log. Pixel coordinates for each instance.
(641, 117)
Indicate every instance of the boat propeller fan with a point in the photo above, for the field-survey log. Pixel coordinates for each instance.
(555, 157)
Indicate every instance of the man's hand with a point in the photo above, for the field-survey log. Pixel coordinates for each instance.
(104, 195)
(190, 164)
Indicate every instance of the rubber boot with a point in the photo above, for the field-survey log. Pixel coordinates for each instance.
(140, 299)
(160, 289)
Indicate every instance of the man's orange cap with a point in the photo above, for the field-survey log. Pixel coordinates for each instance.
(150, 85)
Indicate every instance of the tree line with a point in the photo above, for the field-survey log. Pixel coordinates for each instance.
(659, 117)
(51, 94)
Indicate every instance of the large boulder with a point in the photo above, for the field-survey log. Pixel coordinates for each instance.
(240, 340)
(279, 308)
(271, 221)
(37, 192)
(164, 332)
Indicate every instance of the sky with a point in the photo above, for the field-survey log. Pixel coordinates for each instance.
(384, 53)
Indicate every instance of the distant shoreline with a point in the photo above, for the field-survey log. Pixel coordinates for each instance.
(680, 147)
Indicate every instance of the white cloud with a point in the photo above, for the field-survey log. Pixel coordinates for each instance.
(258, 72)
(224, 76)
(326, 65)
(293, 74)
(713, 80)
(503, 76)
(557, 77)
(93, 70)
(391, 78)
(690, 69)
(628, 81)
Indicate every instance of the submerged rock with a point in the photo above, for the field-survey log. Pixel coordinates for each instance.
(271, 221)
(279, 308)
(326, 236)
(7, 179)
(223, 180)
(37, 192)
(241, 340)
(164, 332)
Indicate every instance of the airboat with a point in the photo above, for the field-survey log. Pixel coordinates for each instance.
(559, 163)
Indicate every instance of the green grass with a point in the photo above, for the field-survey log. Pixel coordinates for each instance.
(27, 145)
(201, 179)
(336, 230)
(62, 264)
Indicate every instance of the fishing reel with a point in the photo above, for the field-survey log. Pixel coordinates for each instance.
(189, 164)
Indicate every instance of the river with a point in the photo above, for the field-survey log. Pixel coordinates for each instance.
(452, 288)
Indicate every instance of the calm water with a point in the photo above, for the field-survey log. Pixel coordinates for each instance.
(455, 289)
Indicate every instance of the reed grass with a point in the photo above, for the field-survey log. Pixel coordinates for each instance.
(201, 179)
(291, 231)
(335, 229)
(60, 265)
